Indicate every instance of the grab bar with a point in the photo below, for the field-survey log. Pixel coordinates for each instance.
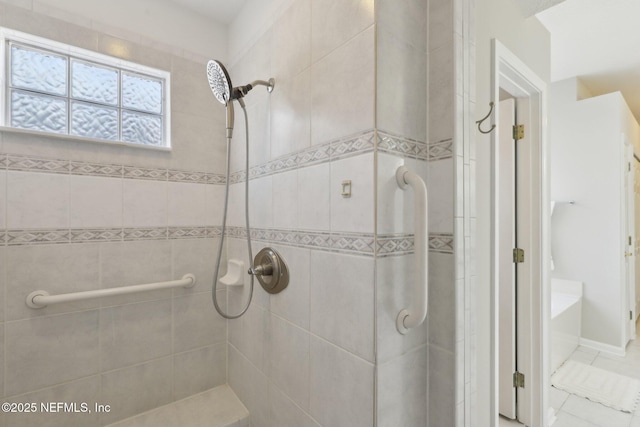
(40, 299)
(416, 313)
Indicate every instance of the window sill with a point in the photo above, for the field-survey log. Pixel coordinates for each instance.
(6, 129)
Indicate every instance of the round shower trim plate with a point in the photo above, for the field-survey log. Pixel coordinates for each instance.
(276, 273)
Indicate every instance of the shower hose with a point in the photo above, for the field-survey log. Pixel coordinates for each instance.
(214, 287)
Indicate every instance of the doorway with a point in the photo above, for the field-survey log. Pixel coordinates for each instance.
(513, 130)
(520, 310)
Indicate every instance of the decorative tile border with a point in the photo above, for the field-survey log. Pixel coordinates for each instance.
(360, 243)
(96, 235)
(395, 244)
(360, 143)
(37, 237)
(396, 144)
(356, 243)
(187, 233)
(402, 244)
(155, 233)
(357, 144)
(133, 172)
(94, 169)
(34, 164)
(441, 243)
(72, 167)
(93, 235)
(441, 150)
(185, 176)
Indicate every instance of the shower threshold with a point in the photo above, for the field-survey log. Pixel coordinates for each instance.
(218, 407)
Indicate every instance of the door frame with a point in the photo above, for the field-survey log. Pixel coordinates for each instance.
(628, 230)
(509, 73)
(507, 273)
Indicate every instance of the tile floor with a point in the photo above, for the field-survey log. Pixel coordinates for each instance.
(574, 411)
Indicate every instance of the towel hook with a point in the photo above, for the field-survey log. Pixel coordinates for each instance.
(479, 122)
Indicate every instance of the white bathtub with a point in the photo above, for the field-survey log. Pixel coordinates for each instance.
(566, 319)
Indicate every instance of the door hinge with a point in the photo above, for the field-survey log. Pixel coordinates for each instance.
(629, 240)
(630, 315)
(518, 255)
(518, 132)
(518, 380)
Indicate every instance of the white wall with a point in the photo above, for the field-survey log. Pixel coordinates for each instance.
(586, 166)
(159, 21)
(530, 41)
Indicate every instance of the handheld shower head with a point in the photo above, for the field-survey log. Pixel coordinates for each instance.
(219, 81)
(225, 93)
(220, 84)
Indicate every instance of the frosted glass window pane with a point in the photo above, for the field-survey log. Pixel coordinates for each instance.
(141, 128)
(141, 93)
(91, 82)
(94, 121)
(38, 112)
(40, 71)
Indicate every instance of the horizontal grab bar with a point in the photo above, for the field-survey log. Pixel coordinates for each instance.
(40, 299)
(416, 313)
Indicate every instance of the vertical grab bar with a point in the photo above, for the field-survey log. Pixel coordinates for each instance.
(416, 313)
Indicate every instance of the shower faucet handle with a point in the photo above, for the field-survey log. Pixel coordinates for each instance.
(271, 270)
(261, 270)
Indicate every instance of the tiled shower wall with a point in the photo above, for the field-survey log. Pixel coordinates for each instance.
(305, 357)
(350, 103)
(78, 216)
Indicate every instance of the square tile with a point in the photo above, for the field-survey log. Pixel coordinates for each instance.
(57, 269)
(355, 213)
(342, 301)
(144, 203)
(62, 348)
(198, 370)
(314, 197)
(402, 388)
(341, 386)
(37, 200)
(334, 22)
(348, 69)
(289, 360)
(136, 389)
(186, 204)
(285, 201)
(95, 202)
(189, 313)
(134, 333)
(3, 198)
(292, 304)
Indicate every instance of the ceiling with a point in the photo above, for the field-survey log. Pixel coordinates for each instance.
(531, 7)
(222, 11)
(598, 41)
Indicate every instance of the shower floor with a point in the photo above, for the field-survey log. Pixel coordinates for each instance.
(218, 407)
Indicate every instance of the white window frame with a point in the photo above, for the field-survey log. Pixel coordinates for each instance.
(8, 35)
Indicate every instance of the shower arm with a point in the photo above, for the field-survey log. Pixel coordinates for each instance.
(241, 91)
(237, 93)
(269, 84)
